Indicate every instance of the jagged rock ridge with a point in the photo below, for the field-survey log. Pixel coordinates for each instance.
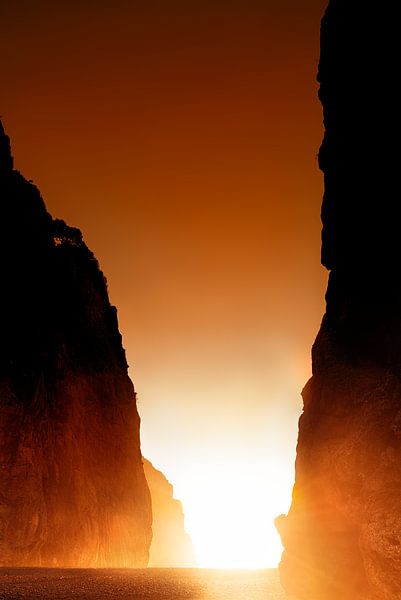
(171, 545)
(342, 537)
(72, 486)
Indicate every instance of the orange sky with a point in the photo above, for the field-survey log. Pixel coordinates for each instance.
(181, 137)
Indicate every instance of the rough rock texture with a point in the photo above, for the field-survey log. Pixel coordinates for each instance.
(72, 486)
(342, 536)
(171, 545)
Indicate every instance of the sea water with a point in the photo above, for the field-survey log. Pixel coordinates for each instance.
(139, 584)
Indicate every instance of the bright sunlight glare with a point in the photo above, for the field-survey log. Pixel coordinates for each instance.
(231, 463)
(231, 519)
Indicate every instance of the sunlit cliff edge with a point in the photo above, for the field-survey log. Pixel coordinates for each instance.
(72, 485)
(171, 545)
(342, 536)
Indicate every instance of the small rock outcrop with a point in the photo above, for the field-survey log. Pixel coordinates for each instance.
(171, 545)
(342, 536)
(72, 487)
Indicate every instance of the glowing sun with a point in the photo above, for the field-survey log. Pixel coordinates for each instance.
(230, 518)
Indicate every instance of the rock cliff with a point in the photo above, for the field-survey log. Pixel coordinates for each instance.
(171, 545)
(72, 486)
(342, 536)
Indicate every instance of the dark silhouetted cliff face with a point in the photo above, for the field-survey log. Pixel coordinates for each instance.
(342, 536)
(72, 486)
(171, 545)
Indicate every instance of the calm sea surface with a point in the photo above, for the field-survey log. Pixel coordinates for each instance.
(139, 584)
